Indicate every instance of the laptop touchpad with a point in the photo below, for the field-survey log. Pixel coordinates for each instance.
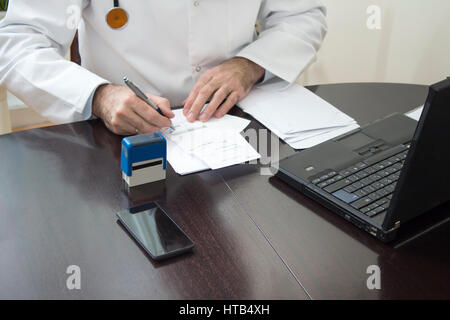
(356, 141)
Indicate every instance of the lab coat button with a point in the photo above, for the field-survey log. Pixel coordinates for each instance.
(196, 3)
(198, 69)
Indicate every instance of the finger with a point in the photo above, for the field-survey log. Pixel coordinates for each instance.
(128, 129)
(188, 102)
(232, 99)
(150, 115)
(219, 97)
(138, 124)
(119, 125)
(123, 129)
(163, 104)
(186, 108)
(204, 79)
(141, 126)
(202, 97)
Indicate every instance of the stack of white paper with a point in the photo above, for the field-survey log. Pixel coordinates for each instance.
(295, 114)
(415, 114)
(198, 146)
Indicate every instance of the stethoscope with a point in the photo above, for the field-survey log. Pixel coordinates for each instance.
(117, 18)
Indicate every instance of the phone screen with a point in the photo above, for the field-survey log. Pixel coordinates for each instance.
(155, 231)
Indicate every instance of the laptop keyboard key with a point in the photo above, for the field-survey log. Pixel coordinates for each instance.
(369, 189)
(350, 189)
(383, 173)
(382, 193)
(361, 165)
(361, 193)
(372, 178)
(378, 166)
(330, 181)
(382, 201)
(353, 169)
(394, 159)
(365, 210)
(369, 170)
(361, 174)
(398, 166)
(358, 185)
(386, 163)
(374, 196)
(345, 196)
(362, 203)
(322, 185)
(372, 205)
(376, 185)
(345, 173)
(338, 185)
(375, 211)
(376, 176)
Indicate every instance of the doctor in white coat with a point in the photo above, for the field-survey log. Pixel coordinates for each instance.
(180, 52)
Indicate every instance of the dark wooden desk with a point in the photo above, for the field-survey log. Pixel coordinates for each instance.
(255, 237)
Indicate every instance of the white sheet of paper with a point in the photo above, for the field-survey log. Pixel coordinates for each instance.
(300, 136)
(182, 162)
(415, 114)
(198, 146)
(217, 148)
(295, 114)
(315, 140)
(291, 109)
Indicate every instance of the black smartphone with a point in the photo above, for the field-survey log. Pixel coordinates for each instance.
(155, 231)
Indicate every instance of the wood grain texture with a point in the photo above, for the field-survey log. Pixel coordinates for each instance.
(256, 237)
(330, 256)
(60, 189)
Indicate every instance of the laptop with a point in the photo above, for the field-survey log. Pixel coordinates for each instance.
(384, 174)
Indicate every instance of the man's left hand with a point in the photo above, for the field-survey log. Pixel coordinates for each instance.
(224, 85)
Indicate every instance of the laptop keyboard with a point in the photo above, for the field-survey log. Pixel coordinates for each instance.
(367, 188)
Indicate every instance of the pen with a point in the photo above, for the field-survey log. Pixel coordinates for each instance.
(142, 96)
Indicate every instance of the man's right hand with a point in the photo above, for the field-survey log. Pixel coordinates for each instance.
(125, 114)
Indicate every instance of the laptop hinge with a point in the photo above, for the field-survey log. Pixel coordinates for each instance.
(396, 226)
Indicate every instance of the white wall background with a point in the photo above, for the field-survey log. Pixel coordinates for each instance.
(412, 46)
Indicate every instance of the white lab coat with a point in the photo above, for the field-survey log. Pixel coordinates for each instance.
(164, 48)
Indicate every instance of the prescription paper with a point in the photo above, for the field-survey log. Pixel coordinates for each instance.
(198, 146)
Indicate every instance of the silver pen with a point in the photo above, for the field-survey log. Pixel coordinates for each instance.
(143, 96)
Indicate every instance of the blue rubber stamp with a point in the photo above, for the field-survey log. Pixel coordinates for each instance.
(144, 159)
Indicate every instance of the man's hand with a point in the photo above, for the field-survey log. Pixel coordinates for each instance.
(225, 85)
(124, 113)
